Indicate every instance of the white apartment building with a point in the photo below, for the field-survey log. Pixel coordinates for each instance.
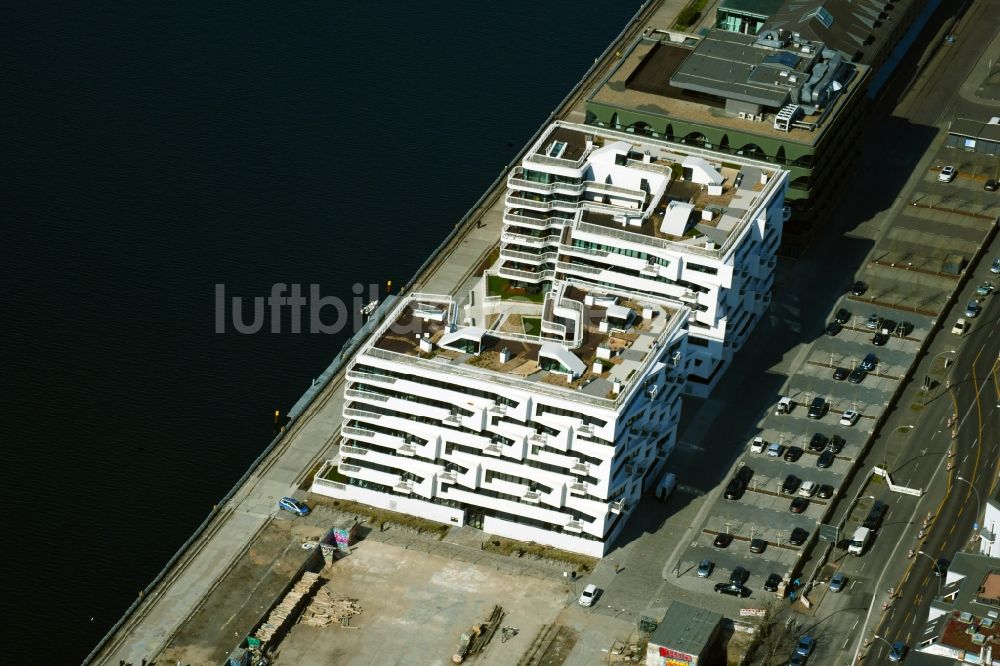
(659, 220)
(543, 403)
(989, 543)
(545, 422)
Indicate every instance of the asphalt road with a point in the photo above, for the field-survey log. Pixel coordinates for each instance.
(975, 396)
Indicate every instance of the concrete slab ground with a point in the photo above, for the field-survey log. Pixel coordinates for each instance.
(415, 606)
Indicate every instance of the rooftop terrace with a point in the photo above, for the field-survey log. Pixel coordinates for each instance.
(521, 345)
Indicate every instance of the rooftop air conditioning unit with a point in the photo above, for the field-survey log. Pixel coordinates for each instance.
(743, 115)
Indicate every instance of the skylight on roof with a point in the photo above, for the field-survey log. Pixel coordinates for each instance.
(789, 60)
(821, 15)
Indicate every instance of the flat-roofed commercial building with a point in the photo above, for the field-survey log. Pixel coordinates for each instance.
(796, 104)
(614, 210)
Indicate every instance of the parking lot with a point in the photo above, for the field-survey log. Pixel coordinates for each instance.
(907, 280)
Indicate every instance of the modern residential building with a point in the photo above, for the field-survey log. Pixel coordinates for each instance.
(773, 97)
(543, 422)
(621, 211)
(543, 403)
(963, 623)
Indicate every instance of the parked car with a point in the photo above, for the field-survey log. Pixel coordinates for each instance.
(588, 595)
(825, 459)
(758, 545)
(857, 375)
(833, 328)
(734, 490)
(972, 309)
(947, 174)
(869, 362)
(775, 450)
(995, 266)
(806, 645)
(796, 659)
(722, 540)
(840, 374)
(734, 590)
(961, 327)
(744, 474)
(858, 288)
(874, 322)
(818, 442)
(985, 289)
(849, 418)
(825, 491)
(798, 536)
(843, 316)
(799, 505)
(791, 484)
(785, 405)
(992, 185)
(298, 507)
(837, 444)
(739, 576)
(837, 581)
(772, 583)
(881, 338)
(818, 408)
(758, 445)
(705, 569)
(807, 489)
(793, 453)
(897, 651)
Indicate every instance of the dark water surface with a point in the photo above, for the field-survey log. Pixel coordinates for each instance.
(154, 149)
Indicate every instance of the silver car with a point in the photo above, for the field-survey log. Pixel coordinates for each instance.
(837, 581)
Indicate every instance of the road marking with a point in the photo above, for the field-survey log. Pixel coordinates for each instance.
(952, 528)
(965, 457)
(924, 584)
(961, 509)
(935, 434)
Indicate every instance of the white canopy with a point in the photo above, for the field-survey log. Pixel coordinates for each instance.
(565, 357)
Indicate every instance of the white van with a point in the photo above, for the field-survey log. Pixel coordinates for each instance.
(807, 489)
(859, 541)
(666, 486)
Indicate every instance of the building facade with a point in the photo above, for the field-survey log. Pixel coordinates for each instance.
(543, 403)
(613, 210)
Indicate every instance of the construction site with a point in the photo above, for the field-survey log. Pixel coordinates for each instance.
(355, 588)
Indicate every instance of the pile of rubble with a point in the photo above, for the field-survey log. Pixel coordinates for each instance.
(326, 609)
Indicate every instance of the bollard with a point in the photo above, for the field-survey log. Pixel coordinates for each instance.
(909, 554)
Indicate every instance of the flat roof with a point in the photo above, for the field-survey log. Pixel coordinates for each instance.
(642, 82)
(632, 348)
(985, 130)
(686, 628)
(755, 7)
(745, 182)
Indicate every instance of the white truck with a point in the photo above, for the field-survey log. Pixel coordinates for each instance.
(859, 541)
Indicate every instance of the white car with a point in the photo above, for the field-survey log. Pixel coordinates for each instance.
(947, 174)
(961, 327)
(588, 595)
(757, 445)
(849, 418)
(774, 450)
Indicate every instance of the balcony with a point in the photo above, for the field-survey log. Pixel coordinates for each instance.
(578, 488)
(539, 438)
(618, 506)
(493, 450)
(366, 395)
(448, 476)
(405, 487)
(586, 430)
(407, 449)
(351, 431)
(532, 497)
(574, 526)
(581, 468)
(689, 296)
(453, 420)
(355, 375)
(348, 450)
(361, 414)
(650, 269)
(498, 409)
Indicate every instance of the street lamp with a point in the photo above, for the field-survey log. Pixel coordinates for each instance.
(934, 563)
(979, 503)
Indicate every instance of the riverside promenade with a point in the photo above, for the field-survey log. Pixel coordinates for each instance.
(163, 608)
